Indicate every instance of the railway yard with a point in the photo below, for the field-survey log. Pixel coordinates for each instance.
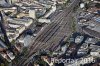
(53, 33)
(49, 33)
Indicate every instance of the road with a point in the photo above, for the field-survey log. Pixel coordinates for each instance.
(50, 37)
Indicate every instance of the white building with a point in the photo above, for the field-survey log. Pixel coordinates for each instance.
(26, 22)
(14, 33)
(63, 48)
(95, 53)
(79, 39)
(42, 20)
(11, 55)
(27, 40)
(32, 14)
(82, 5)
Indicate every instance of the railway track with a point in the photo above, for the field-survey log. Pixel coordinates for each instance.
(56, 36)
(35, 44)
(55, 25)
(52, 34)
(49, 30)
